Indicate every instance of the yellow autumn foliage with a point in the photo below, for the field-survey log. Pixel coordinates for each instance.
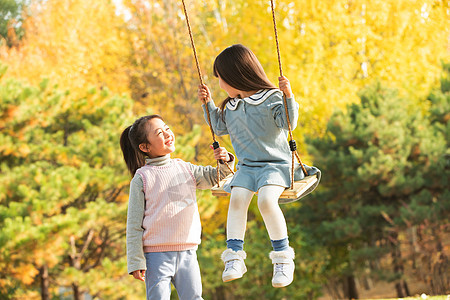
(75, 43)
(330, 49)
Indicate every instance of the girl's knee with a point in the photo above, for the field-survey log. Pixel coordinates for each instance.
(240, 199)
(266, 204)
(237, 204)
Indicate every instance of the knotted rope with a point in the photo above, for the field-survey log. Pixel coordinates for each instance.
(215, 142)
(292, 144)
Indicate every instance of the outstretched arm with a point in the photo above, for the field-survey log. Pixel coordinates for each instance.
(206, 176)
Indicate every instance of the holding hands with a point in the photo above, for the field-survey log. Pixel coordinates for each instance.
(285, 86)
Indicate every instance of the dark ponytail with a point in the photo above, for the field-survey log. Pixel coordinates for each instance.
(130, 140)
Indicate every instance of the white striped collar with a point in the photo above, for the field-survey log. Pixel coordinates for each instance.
(255, 99)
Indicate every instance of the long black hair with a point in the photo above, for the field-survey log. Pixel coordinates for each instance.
(130, 140)
(239, 67)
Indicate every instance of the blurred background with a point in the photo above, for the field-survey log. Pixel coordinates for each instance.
(373, 82)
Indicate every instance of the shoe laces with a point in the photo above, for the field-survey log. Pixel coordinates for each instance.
(279, 267)
(230, 264)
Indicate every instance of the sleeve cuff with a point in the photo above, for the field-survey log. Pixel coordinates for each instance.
(231, 157)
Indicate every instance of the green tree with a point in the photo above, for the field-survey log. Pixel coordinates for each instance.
(377, 158)
(426, 216)
(11, 18)
(62, 200)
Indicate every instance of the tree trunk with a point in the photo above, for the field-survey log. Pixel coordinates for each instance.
(219, 293)
(77, 295)
(406, 288)
(75, 260)
(413, 245)
(399, 290)
(439, 267)
(400, 286)
(333, 288)
(352, 289)
(43, 275)
(366, 282)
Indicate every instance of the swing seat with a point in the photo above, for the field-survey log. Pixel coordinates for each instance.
(301, 188)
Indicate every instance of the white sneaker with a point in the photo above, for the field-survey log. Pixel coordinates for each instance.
(283, 267)
(234, 264)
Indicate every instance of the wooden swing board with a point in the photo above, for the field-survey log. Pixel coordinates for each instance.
(299, 188)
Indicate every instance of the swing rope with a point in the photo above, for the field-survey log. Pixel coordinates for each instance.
(215, 142)
(292, 144)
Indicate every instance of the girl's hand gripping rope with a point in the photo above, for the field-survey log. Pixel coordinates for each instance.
(285, 86)
(204, 94)
(221, 154)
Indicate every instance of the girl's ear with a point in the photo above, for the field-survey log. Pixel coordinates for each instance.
(144, 147)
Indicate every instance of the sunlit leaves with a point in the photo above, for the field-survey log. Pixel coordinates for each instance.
(76, 43)
(62, 182)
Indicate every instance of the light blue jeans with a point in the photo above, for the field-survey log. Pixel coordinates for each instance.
(177, 267)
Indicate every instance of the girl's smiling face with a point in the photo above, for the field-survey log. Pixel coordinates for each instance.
(161, 140)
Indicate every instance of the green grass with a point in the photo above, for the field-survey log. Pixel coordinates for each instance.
(422, 297)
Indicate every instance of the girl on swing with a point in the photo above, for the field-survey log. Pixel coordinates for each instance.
(254, 116)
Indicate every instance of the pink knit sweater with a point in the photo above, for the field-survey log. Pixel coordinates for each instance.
(171, 219)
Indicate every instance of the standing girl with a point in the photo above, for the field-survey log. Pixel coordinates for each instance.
(254, 117)
(163, 222)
